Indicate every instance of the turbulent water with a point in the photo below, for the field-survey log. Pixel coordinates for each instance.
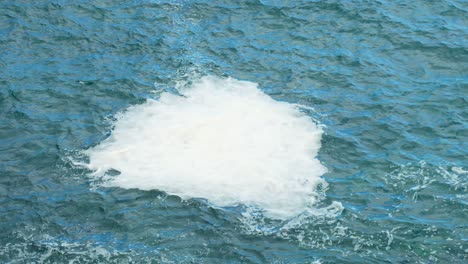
(223, 140)
(234, 131)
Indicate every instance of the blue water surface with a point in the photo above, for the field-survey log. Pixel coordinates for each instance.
(388, 79)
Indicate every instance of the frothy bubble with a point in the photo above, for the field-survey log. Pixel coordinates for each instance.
(223, 140)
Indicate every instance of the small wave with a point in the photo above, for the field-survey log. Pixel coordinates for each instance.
(220, 139)
(419, 176)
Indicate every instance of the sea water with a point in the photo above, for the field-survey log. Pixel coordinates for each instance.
(233, 132)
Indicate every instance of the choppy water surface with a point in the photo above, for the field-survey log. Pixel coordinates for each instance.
(226, 132)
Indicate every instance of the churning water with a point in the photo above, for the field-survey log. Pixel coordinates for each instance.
(223, 140)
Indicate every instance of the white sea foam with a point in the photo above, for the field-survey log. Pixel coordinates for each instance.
(223, 140)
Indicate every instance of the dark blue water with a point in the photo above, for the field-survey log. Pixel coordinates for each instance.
(388, 79)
